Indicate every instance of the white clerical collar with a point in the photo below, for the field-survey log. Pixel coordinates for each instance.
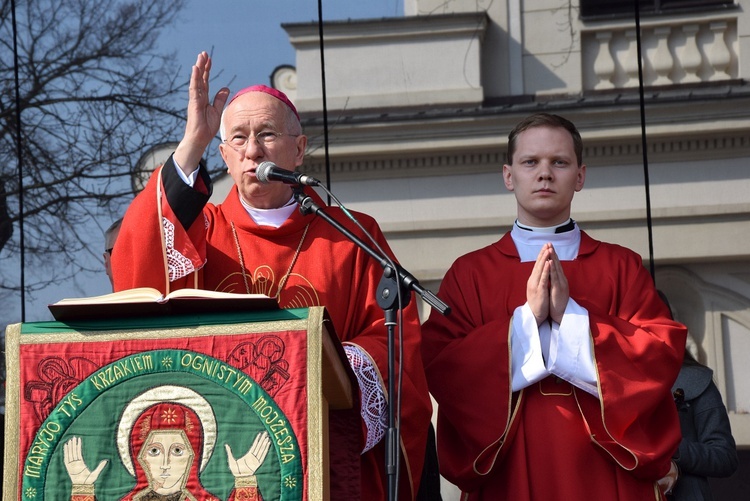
(568, 225)
(270, 217)
(529, 240)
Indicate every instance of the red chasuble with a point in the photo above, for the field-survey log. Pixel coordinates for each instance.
(305, 262)
(552, 440)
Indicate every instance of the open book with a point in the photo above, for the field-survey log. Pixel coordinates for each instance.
(145, 301)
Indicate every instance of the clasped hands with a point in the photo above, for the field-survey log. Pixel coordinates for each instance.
(547, 291)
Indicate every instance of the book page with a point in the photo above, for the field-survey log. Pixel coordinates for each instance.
(198, 293)
(137, 295)
(145, 301)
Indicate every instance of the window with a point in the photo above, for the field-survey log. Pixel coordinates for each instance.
(624, 8)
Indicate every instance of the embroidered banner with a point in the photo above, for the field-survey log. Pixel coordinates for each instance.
(207, 407)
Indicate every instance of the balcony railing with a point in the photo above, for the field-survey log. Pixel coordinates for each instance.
(674, 52)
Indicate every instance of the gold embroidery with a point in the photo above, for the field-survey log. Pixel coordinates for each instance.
(556, 393)
(239, 254)
(247, 481)
(82, 489)
(284, 278)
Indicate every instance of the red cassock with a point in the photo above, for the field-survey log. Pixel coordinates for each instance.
(311, 264)
(552, 440)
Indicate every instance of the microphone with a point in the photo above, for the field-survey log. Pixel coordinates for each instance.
(269, 171)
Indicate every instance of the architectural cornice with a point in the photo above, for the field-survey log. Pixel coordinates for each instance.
(680, 125)
(365, 31)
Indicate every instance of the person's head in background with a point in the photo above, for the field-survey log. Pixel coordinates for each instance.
(110, 235)
(691, 346)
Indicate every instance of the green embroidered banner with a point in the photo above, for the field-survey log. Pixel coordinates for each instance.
(208, 409)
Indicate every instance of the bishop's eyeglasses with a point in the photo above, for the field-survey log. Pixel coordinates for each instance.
(239, 141)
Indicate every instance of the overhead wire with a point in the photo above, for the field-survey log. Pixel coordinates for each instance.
(19, 156)
(325, 102)
(644, 142)
(394, 400)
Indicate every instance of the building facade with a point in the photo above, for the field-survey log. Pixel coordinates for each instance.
(418, 109)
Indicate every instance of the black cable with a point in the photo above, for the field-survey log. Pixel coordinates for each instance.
(19, 154)
(644, 144)
(392, 496)
(325, 104)
(394, 380)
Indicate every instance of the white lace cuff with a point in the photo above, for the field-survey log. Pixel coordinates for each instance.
(374, 405)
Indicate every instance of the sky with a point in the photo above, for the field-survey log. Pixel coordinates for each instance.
(247, 43)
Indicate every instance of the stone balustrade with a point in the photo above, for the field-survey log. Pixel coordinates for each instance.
(674, 52)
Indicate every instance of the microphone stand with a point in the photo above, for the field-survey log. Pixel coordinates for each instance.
(394, 283)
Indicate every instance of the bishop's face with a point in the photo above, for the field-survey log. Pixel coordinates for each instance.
(166, 457)
(544, 175)
(255, 115)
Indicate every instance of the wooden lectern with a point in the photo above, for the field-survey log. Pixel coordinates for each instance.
(191, 389)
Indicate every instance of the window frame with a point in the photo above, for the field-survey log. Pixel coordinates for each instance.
(609, 9)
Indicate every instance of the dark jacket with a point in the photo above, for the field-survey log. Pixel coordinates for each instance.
(707, 448)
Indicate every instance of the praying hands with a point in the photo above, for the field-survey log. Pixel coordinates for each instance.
(547, 289)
